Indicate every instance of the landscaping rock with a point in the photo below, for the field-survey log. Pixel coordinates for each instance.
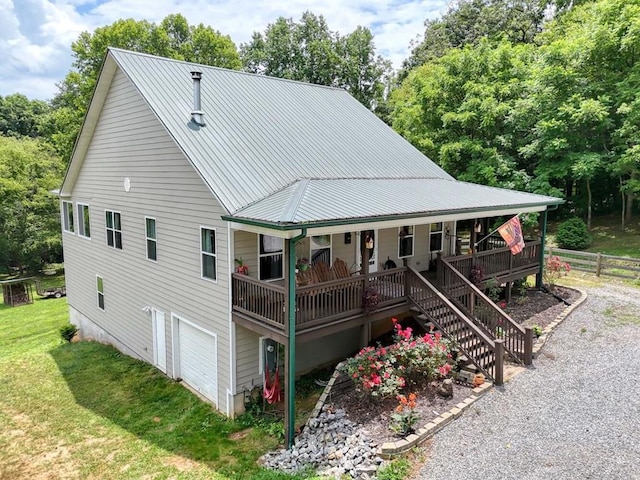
(446, 389)
(331, 444)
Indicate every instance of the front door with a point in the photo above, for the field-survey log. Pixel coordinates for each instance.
(159, 341)
(369, 237)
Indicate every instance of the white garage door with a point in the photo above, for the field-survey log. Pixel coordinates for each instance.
(197, 359)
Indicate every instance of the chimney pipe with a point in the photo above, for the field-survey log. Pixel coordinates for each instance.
(197, 114)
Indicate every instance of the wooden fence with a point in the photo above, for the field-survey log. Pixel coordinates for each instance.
(598, 263)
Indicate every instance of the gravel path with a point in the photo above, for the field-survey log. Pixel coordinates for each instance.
(575, 415)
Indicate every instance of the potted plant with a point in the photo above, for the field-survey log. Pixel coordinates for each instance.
(241, 268)
(302, 265)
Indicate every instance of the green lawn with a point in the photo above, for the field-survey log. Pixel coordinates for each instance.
(84, 410)
(609, 238)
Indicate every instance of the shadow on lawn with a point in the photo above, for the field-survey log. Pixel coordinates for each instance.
(141, 400)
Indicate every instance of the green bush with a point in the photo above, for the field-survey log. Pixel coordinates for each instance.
(573, 234)
(68, 331)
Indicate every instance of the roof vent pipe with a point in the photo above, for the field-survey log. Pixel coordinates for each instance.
(197, 115)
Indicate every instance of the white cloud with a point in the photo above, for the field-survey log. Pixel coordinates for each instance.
(36, 35)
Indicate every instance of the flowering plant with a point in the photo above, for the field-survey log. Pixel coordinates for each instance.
(241, 268)
(554, 269)
(385, 371)
(405, 416)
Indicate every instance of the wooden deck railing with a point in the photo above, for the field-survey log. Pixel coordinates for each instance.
(471, 340)
(317, 304)
(260, 300)
(518, 341)
(498, 261)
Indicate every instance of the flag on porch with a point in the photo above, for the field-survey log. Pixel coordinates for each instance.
(511, 231)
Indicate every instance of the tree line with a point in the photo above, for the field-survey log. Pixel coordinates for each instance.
(536, 95)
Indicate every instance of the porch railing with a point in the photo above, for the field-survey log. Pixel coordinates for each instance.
(486, 354)
(258, 299)
(316, 304)
(518, 341)
(498, 262)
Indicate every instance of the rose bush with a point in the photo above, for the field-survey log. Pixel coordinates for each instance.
(411, 360)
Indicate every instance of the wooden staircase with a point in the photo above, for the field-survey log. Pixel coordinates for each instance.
(435, 309)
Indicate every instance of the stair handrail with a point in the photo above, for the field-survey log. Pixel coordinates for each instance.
(479, 333)
(523, 336)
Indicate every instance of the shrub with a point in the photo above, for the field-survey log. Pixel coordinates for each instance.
(405, 417)
(554, 269)
(384, 371)
(68, 332)
(573, 234)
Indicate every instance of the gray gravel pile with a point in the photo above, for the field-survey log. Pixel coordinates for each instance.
(331, 444)
(574, 415)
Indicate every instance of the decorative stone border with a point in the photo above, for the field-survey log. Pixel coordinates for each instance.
(390, 449)
(325, 394)
(548, 330)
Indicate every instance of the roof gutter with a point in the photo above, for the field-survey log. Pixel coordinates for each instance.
(365, 220)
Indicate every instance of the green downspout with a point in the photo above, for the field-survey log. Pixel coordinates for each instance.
(543, 236)
(291, 310)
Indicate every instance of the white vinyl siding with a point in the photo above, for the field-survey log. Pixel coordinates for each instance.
(113, 228)
(130, 142)
(84, 224)
(100, 291)
(67, 217)
(208, 253)
(151, 237)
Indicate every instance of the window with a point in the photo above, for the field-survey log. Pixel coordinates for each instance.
(152, 239)
(271, 254)
(435, 237)
(100, 289)
(405, 241)
(321, 249)
(114, 229)
(67, 217)
(208, 249)
(84, 229)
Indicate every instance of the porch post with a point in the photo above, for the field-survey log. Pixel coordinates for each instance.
(289, 261)
(365, 332)
(543, 234)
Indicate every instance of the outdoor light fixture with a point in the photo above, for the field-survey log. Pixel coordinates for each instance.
(477, 227)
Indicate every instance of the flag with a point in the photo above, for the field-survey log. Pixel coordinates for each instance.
(511, 231)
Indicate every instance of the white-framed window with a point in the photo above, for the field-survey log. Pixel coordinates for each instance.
(151, 237)
(320, 249)
(405, 241)
(208, 252)
(113, 226)
(435, 237)
(270, 253)
(84, 224)
(67, 217)
(100, 291)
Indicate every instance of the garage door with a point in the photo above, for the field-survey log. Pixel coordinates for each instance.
(197, 359)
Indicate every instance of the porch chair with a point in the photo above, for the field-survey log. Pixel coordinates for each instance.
(322, 272)
(340, 269)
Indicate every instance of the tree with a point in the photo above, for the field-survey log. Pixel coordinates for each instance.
(20, 116)
(173, 38)
(309, 52)
(29, 218)
(456, 110)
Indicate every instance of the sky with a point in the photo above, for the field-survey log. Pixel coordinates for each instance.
(36, 35)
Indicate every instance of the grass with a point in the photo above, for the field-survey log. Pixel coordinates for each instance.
(609, 238)
(84, 410)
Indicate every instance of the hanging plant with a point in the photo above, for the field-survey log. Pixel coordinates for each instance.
(370, 299)
(476, 275)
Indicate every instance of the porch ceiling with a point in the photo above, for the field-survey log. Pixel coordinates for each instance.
(315, 203)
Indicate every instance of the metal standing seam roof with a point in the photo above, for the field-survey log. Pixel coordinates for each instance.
(263, 134)
(317, 200)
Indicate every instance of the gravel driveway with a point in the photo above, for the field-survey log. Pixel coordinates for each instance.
(574, 415)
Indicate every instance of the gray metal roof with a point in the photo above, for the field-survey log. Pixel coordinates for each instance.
(263, 134)
(318, 200)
